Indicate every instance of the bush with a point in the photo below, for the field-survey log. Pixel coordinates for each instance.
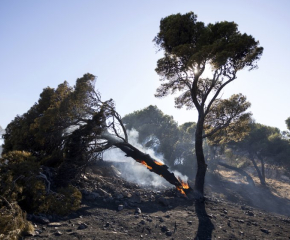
(65, 201)
(13, 221)
(21, 181)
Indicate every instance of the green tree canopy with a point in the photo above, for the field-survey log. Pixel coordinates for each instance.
(43, 130)
(47, 148)
(264, 144)
(161, 133)
(156, 130)
(288, 123)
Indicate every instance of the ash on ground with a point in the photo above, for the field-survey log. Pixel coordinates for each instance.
(113, 208)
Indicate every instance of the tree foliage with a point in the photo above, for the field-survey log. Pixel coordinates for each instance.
(156, 130)
(23, 181)
(161, 133)
(263, 144)
(227, 120)
(13, 222)
(46, 128)
(63, 130)
(288, 123)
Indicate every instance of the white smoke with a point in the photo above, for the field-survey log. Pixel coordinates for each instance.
(179, 175)
(133, 171)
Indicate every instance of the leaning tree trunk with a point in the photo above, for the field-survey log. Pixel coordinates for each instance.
(201, 165)
(262, 180)
(154, 166)
(263, 169)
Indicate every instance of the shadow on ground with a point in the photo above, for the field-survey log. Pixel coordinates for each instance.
(205, 226)
(245, 194)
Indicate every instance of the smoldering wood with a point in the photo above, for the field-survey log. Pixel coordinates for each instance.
(161, 170)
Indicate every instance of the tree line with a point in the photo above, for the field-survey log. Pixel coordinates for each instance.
(261, 145)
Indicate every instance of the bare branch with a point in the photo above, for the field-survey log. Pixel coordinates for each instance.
(43, 176)
(217, 128)
(217, 93)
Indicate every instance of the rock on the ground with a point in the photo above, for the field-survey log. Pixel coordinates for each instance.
(137, 211)
(40, 219)
(82, 226)
(163, 201)
(54, 224)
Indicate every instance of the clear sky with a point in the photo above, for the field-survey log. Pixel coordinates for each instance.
(43, 43)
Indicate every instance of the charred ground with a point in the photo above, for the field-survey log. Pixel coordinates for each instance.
(113, 208)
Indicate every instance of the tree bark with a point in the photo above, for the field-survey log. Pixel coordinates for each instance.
(263, 169)
(262, 181)
(201, 165)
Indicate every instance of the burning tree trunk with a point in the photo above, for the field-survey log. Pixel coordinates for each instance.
(155, 166)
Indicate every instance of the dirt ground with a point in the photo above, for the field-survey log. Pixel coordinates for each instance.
(115, 209)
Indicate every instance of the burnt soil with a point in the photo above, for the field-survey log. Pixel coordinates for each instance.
(115, 209)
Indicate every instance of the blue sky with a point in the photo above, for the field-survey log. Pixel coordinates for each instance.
(43, 43)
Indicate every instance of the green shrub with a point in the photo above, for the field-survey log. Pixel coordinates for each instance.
(13, 221)
(21, 182)
(65, 201)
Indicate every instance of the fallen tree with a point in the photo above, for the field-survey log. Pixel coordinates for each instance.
(70, 127)
(76, 160)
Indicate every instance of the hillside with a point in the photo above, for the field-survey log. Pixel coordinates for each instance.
(113, 208)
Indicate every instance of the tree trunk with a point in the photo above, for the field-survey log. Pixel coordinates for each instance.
(201, 165)
(263, 169)
(262, 180)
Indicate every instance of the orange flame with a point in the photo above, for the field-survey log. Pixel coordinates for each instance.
(158, 163)
(181, 190)
(184, 185)
(144, 163)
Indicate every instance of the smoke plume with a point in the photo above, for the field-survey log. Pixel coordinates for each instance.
(133, 171)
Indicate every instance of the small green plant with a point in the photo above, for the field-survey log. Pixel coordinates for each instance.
(65, 201)
(13, 221)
